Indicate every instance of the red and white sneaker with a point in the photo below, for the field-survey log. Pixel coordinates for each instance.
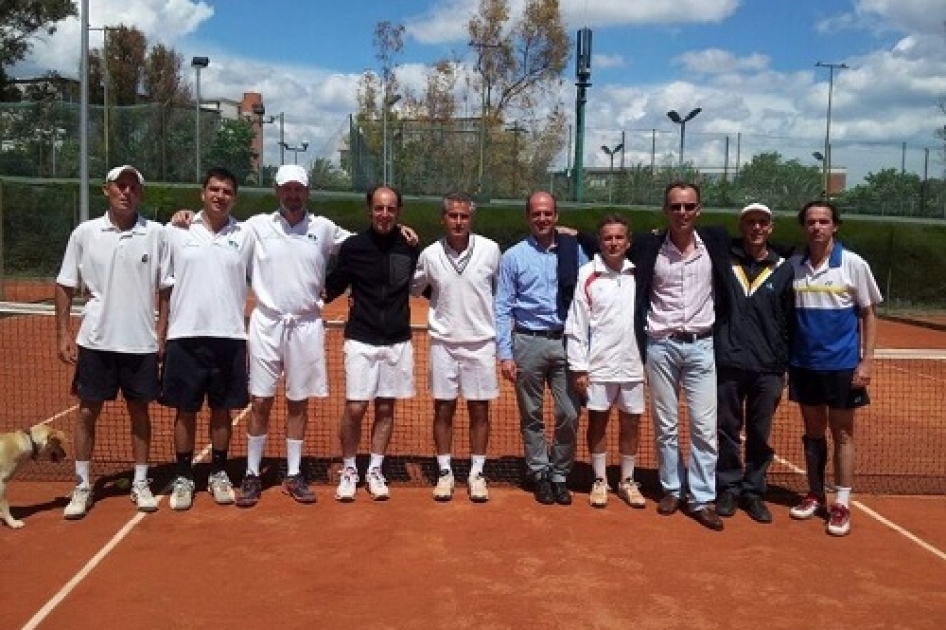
(809, 506)
(839, 523)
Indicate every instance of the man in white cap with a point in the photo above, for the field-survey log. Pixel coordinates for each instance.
(752, 349)
(286, 336)
(117, 257)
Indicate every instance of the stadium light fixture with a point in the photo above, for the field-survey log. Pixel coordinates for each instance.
(296, 150)
(198, 64)
(611, 151)
(682, 121)
(826, 163)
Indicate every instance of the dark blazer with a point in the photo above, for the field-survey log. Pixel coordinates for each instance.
(643, 253)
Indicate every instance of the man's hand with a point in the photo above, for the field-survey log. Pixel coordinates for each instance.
(862, 373)
(508, 369)
(182, 218)
(68, 351)
(409, 235)
(580, 383)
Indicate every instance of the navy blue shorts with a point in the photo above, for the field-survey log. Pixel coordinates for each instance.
(825, 387)
(100, 374)
(199, 367)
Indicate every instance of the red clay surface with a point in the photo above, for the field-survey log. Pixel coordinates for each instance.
(511, 563)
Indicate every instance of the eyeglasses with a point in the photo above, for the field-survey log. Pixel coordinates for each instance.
(686, 207)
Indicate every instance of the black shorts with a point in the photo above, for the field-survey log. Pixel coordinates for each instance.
(819, 387)
(195, 367)
(100, 374)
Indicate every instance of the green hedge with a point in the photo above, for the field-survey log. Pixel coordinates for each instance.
(38, 216)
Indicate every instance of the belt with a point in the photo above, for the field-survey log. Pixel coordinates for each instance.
(689, 337)
(545, 334)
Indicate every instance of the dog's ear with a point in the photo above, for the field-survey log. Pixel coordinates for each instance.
(55, 445)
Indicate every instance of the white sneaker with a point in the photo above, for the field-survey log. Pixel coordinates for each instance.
(445, 486)
(142, 497)
(630, 493)
(347, 486)
(219, 485)
(378, 485)
(182, 494)
(79, 504)
(477, 489)
(599, 493)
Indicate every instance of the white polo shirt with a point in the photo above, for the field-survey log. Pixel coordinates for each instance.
(600, 325)
(462, 288)
(208, 273)
(122, 272)
(288, 264)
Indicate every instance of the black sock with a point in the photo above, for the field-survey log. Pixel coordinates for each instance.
(218, 460)
(185, 465)
(816, 460)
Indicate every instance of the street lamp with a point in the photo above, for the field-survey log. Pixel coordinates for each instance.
(675, 117)
(826, 163)
(611, 152)
(198, 63)
(296, 150)
(388, 102)
(818, 155)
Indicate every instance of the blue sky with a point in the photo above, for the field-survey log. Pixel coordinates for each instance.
(750, 64)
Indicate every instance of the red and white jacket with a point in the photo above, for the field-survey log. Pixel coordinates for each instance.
(599, 330)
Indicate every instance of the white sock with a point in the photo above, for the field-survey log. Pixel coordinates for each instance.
(375, 461)
(349, 462)
(141, 473)
(293, 456)
(443, 462)
(843, 496)
(627, 466)
(477, 463)
(83, 472)
(255, 445)
(599, 464)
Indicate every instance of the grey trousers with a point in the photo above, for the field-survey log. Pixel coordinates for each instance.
(539, 362)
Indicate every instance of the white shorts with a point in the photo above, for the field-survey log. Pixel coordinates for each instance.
(467, 368)
(378, 371)
(627, 397)
(291, 346)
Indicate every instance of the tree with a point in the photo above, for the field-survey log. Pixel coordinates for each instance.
(231, 147)
(21, 22)
(325, 175)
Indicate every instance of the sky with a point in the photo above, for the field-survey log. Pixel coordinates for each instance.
(750, 65)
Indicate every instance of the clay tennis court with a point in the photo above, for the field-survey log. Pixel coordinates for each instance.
(510, 563)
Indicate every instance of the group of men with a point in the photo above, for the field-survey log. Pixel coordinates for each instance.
(687, 309)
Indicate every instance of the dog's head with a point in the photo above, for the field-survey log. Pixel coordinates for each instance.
(50, 441)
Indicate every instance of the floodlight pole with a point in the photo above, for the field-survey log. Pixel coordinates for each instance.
(583, 74)
(826, 164)
(682, 121)
(198, 63)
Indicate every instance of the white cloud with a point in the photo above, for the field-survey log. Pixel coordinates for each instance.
(607, 61)
(716, 61)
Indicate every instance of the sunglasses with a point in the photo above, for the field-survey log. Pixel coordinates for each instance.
(688, 207)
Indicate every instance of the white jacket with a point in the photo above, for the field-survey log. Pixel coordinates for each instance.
(600, 325)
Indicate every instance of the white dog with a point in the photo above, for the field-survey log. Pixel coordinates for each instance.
(34, 442)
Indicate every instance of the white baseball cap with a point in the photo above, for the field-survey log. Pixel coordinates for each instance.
(116, 172)
(755, 207)
(291, 173)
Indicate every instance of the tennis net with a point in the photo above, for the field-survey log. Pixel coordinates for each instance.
(900, 437)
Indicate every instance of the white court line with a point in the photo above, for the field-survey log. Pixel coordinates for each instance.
(120, 535)
(939, 553)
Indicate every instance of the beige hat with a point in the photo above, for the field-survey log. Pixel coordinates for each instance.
(116, 172)
(291, 173)
(755, 207)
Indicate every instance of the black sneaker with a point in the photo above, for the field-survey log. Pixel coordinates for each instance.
(250, 491)
(543, 491)
(726, 503)
(757, 510)
(296, 487)
(562, 495)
